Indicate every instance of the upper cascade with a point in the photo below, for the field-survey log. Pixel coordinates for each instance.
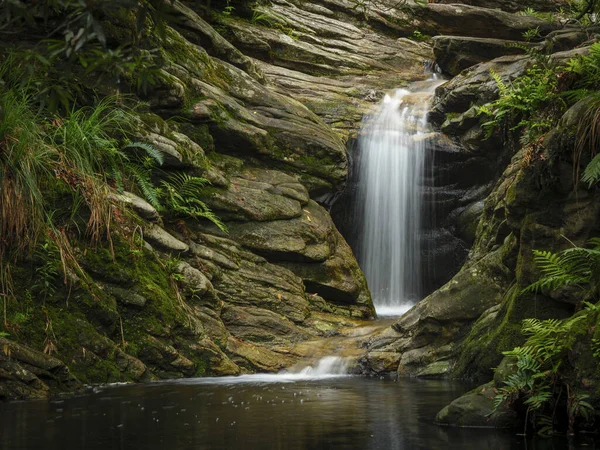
(391, 167)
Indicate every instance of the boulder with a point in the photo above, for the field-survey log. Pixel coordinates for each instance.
(475, 21)
(308, 237)
(475, 86)
(453, 54)
(428, 332)
(250, 200)
(476, 409)
(513, 5)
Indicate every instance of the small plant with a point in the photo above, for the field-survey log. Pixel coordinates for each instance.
(261, 18)
(228, 9)
(418, 36)
(531, 34)
(596, 348)
(539, 15)
(542, 381)
(587, 68)
(76, 47)
(47, 273)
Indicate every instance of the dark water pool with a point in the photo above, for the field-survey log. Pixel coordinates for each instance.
(260, 413)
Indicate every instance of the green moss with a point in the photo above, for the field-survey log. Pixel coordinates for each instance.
(85, 327)
(200, 134)
(482, 350)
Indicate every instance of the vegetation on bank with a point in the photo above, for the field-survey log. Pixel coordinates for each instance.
(545, 384)
(70, 123)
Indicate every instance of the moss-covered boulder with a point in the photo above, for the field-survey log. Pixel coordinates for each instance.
(476, 409)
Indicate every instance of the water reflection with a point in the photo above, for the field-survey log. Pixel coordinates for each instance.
(347, 412)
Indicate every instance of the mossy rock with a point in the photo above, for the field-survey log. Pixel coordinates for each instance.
(475, 409)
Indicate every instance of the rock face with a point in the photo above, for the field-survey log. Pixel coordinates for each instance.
(266, 125)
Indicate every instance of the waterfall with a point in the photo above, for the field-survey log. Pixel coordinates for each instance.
(327, 366)
(391, 168)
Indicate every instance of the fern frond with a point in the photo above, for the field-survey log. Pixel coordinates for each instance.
(141, 176)
(152, 152)
(591, 174)
(502, 87)
(183, 196)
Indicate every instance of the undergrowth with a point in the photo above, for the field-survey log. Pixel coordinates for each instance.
(545, 383)
(533, 103)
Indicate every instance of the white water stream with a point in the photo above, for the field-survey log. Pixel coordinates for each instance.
(390, 174)
(323, 369)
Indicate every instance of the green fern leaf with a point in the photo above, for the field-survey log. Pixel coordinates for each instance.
(591, 174)
(152, 152)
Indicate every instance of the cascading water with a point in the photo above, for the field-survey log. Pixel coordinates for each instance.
(391, 168)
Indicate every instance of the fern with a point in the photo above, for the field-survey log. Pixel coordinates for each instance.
(519, 102)
(579, 267)
(152, 152)
(538, 373)
(182, 195)
(591, 174)
(596, 347)
(502, 87)
(141, 176)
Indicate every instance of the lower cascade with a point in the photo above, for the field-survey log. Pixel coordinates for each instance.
(391, 168)
(321, 369)
(328, 365)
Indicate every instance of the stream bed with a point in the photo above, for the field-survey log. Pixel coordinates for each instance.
(296, 411)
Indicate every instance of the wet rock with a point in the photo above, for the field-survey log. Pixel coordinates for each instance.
(380, 362)
(255, 357)
(212, 360)
(338, 279)
(429, 331)
(166, 358)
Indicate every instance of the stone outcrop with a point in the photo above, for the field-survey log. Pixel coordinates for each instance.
(455, 53)
(513, 5)
(450, 19)
(26, 373)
